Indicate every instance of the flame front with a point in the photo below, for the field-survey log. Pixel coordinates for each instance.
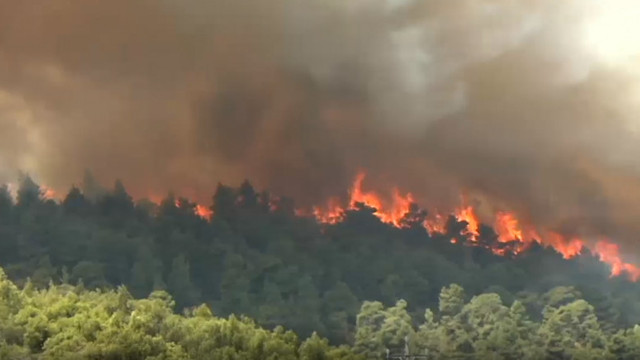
(508, 227)
(610, 253)
(468, 214)
(334, 210)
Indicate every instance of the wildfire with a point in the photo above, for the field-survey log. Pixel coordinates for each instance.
(48, 193)
(203, 211)
(507, 226)
(568, 247)
(400, 205)
(510, 230)
(399, 208)
(200, 210)
(436, 224)
(610, 254)
(467, 213)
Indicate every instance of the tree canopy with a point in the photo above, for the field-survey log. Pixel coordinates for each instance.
(359, 282)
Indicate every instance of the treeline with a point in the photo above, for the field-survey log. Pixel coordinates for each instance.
(65, 322)
(485, 328)
(255, 257)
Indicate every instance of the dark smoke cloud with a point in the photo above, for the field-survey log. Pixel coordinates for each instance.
(501, 99)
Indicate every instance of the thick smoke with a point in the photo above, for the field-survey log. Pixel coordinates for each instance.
(505, 100)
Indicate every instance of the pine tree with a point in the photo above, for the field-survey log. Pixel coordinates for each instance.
(179, 283)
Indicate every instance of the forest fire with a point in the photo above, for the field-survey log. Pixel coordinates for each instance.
(610, 254)
(198, 209)
(48, 193)
(203, 211)
(334, 211)
(506, 225)
(468, 214)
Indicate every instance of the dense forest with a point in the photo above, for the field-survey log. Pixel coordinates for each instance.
(98, 275)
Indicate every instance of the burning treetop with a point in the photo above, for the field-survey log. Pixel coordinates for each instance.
(513, 235)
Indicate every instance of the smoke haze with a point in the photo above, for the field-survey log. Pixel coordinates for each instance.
(516, 103)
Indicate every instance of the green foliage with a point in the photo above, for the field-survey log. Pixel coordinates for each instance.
(66, 322)
(572, 331)
(255, 258)
(379, 328)
(485, 328)
(179, 283)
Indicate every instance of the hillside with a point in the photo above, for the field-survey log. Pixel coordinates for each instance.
(256, 257)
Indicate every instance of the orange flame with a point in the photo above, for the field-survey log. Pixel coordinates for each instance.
(400, 205)
(468, 214)
(332, 215)
(200, 210)
(507, 227)
(610, 254)
(568, 247)
(506, 224)
(48, 193)
(436, 224)
(204, 212)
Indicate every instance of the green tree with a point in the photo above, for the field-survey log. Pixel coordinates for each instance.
(339, 307)
(368, 338)
(625, 344)
(29, 193)
(145, 272)
(451, 300)
(572, 331)
(179, 283)
(75, 203)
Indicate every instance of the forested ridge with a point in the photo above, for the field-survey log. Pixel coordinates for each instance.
(359, 282)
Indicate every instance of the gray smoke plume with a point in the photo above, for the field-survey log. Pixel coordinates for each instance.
(503, 100)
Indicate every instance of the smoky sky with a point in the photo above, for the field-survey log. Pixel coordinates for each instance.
(504, 101)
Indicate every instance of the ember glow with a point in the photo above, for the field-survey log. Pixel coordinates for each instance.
(610, 253)
(436, 224)
(203, 211)
(198, 209)
(48, 193)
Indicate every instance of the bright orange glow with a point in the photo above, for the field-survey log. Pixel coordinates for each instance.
(333, 213)
(507, 227)
(610, 254)
(400, 205)
(514, 236)
(468, 214)
(200, 210)
(435, 224)
(156, 199)
(568, 247)
(203, 211)
(48, 193)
